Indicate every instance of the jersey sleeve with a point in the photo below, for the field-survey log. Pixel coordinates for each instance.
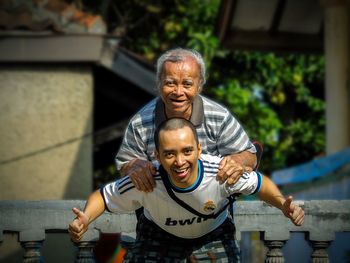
(121, 196)
(248, 183)
(211, 159)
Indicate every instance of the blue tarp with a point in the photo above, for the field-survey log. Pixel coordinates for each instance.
(316, 168)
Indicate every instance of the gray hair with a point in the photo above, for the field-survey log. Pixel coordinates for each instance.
(178, 55)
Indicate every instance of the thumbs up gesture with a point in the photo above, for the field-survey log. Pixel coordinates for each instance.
(79, 225)
(293, 211)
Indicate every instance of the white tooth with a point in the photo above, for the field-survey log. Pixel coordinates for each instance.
(180, 170)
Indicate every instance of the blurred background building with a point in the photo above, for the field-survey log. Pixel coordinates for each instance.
(67, 90)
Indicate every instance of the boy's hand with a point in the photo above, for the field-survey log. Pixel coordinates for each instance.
(79, 225)
(294, 212)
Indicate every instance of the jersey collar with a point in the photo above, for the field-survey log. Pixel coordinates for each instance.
(171, 187)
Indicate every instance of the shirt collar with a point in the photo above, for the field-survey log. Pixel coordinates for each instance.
(168, 184)
(197, 116)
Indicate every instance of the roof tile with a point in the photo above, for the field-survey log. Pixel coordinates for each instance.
(43, 15)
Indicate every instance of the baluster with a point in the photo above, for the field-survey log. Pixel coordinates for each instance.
(274, 253)
(86, 245)
(319, 254)
(32, 252)
(32, 240)
(85, 252)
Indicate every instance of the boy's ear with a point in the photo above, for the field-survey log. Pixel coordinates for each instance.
(156, 154)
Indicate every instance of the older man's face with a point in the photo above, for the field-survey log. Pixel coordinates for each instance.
(179, 87)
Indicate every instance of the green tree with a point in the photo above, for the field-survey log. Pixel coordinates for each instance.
(278, 98)
(149, 27)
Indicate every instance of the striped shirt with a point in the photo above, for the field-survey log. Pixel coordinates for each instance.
(219, 132)
(206, 196)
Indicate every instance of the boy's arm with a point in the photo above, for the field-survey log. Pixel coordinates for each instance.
(270, 193)
(94, 207)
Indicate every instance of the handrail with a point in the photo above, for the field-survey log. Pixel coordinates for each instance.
(32, 219)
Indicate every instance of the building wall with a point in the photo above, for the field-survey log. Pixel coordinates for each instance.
(45, 142)
(45, 122)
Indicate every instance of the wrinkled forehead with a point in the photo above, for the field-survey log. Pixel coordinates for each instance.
(187, 63)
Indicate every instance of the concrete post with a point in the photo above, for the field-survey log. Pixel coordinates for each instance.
(337, 53)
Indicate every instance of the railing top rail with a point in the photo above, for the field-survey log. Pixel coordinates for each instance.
(323, 218)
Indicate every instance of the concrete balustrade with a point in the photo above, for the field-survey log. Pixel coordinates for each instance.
(32, 219)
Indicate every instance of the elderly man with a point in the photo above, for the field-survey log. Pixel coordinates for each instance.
(180, 77)
(186, 210)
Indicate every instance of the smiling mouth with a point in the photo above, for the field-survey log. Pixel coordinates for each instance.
(181, 172)
(177, 101)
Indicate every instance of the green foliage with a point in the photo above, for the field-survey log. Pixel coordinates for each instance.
(153, 26)
(278, 98)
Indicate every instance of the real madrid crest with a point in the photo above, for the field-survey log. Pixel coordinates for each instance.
(209, 206)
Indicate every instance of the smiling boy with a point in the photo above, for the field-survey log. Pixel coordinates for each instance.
(187, 208)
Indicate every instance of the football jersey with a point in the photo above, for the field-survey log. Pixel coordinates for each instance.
(206, 196)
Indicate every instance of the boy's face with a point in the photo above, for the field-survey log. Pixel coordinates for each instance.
(178, 153)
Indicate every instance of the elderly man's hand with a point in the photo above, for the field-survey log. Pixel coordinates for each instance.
(229, 170)
(79, 225)
(141, 173)
(293, 211)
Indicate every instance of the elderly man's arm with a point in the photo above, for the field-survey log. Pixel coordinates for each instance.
(141, 174)
(234, 165)
(132, 159)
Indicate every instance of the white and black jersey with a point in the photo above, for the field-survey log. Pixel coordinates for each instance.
(206, 196)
